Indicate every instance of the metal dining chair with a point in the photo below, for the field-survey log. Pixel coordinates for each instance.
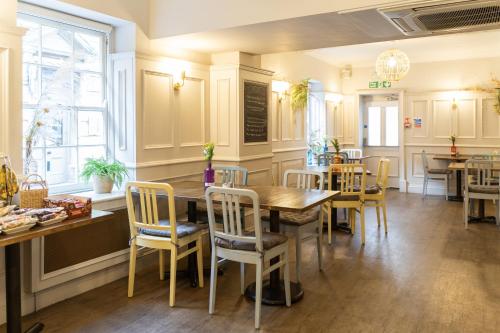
(434, 174)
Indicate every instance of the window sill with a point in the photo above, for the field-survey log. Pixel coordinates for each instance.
(105, 201)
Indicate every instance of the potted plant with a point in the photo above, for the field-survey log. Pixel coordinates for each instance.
(209, 173)
(104, 174)
(337, 159)
(453, 148)
(299, 94)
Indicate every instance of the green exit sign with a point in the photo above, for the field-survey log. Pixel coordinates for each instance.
(379, 84)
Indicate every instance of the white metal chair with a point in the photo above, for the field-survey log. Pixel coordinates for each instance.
(147, 230)
(434, 174)
(303, 226)
(480, 184)
(353, 153)
(233, 243)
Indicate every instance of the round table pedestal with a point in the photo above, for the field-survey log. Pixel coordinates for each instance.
(275, 296)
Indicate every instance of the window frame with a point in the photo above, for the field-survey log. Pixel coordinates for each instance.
(75, 24)
(383, 105)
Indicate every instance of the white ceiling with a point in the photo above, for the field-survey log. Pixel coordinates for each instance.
(480, 44)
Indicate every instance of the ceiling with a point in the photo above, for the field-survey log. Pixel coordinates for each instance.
(471, 45)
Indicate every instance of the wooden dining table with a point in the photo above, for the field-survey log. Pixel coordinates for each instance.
(11, 243)
(272, 198)
(458, 158)
(336, 225)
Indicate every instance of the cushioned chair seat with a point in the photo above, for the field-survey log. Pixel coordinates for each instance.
(483, 189)
(346, 197)
(269, 240)
(369, 189)
(439, 171)
(291, 218)
(183, 229)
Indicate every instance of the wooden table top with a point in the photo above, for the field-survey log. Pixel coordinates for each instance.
(324, 169)
(271, 197)
(39, 231)
(461, 166)
(449, 157)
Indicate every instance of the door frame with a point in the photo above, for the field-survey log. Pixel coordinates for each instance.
(403, 184)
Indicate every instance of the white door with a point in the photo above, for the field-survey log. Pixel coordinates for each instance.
(381, 137)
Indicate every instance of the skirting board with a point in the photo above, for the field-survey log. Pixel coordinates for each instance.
(432, 189)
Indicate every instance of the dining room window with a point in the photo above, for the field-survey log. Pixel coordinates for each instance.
(382, 124)
(64, 99)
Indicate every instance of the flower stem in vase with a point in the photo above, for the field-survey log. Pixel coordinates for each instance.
(209, 175)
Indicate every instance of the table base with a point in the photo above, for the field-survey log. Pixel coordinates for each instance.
(455, 198)
(272, 296)
(482, 219)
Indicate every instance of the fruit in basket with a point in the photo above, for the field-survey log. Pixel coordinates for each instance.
(8, 183)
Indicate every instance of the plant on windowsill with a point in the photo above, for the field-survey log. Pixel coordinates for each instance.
(104, 174)
(453, 148)
(299, 94)
(208, 173)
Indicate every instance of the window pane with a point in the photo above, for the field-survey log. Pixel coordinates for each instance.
(88, 89)
(56, 87)
(391, 126)
(37, 164)
(88, 52)
(61, 166)
(30, 128)
(31, 41)
(57, 46)
(31, 84)
(374, 123)
(89, 152)
(60, 128)
(90, 128)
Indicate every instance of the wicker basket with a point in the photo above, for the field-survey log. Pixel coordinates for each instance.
(33, 197)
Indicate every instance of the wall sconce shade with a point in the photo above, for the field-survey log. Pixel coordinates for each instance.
(281, 88)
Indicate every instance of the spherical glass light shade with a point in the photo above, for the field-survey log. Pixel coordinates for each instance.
(392, 65)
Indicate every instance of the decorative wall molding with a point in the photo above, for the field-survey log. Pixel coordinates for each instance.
(223, 111)
(4, 99)
(151, 164)
(286, 150)
(121, 98)
(423, 144)
(243, 158)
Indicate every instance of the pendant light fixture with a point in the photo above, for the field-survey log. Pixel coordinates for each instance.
(392, 65)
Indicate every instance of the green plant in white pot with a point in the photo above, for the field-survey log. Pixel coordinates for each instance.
(104, 174)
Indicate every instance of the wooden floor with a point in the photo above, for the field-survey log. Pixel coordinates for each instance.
(427, 275)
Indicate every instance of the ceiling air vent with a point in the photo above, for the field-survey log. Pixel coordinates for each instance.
(445, 17)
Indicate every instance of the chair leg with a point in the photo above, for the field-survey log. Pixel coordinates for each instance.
(199, 261)
(162, 264)
(258, 292)
(352, 217)
(298, 254)
(329, 225)
(213, 282)
(377, 209)
(286, 278)
(466, 211)
(131, 270)
(319, 242)
(424, 186)
(498, 211)
(446, 187)
(362, 222)
(173, 275)
(242, 278)
(384, 213)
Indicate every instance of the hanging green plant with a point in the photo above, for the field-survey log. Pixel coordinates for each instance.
(495, 91)
(299, 94)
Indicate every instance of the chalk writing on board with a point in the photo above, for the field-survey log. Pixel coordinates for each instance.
(255, 112)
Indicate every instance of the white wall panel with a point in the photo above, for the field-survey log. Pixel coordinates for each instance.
(158, 113)
(420, 109)
(190, 110)
(223, 110)
(442, 118)
(490, 119)
(466, 118)
(275, 117)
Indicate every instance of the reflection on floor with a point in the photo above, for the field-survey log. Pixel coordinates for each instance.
(427, 275)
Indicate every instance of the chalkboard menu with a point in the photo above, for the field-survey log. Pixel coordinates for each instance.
(255, 112)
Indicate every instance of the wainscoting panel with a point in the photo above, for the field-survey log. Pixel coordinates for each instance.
(223, 110)
(466, 119)
(420, 109)
(190, 109)
(442, 118)
(490, 119)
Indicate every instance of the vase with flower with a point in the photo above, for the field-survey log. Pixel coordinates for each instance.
(453, 148)
(337, 159)
(209, 173)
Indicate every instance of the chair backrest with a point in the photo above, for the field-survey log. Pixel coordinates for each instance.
(305, 179)
(323, 159)
(147, 216)
(346, 174)
(481, 169)
(345, 157)
(383, 173)
(353, 152)
(425, 162)
(231, 215)
(232, 174)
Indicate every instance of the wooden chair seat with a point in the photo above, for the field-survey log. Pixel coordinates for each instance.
(183, 229)
(269, 241)
(369, 189)
(347, 197)
(309, 216)
(484, 189)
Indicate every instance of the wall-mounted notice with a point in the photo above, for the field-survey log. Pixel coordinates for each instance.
(417, 122)
(255, 112)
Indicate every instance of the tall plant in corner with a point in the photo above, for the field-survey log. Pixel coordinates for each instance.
(299, 94)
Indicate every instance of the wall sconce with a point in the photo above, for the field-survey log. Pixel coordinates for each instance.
(454, 104)
(178, 79)
(281, 88)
